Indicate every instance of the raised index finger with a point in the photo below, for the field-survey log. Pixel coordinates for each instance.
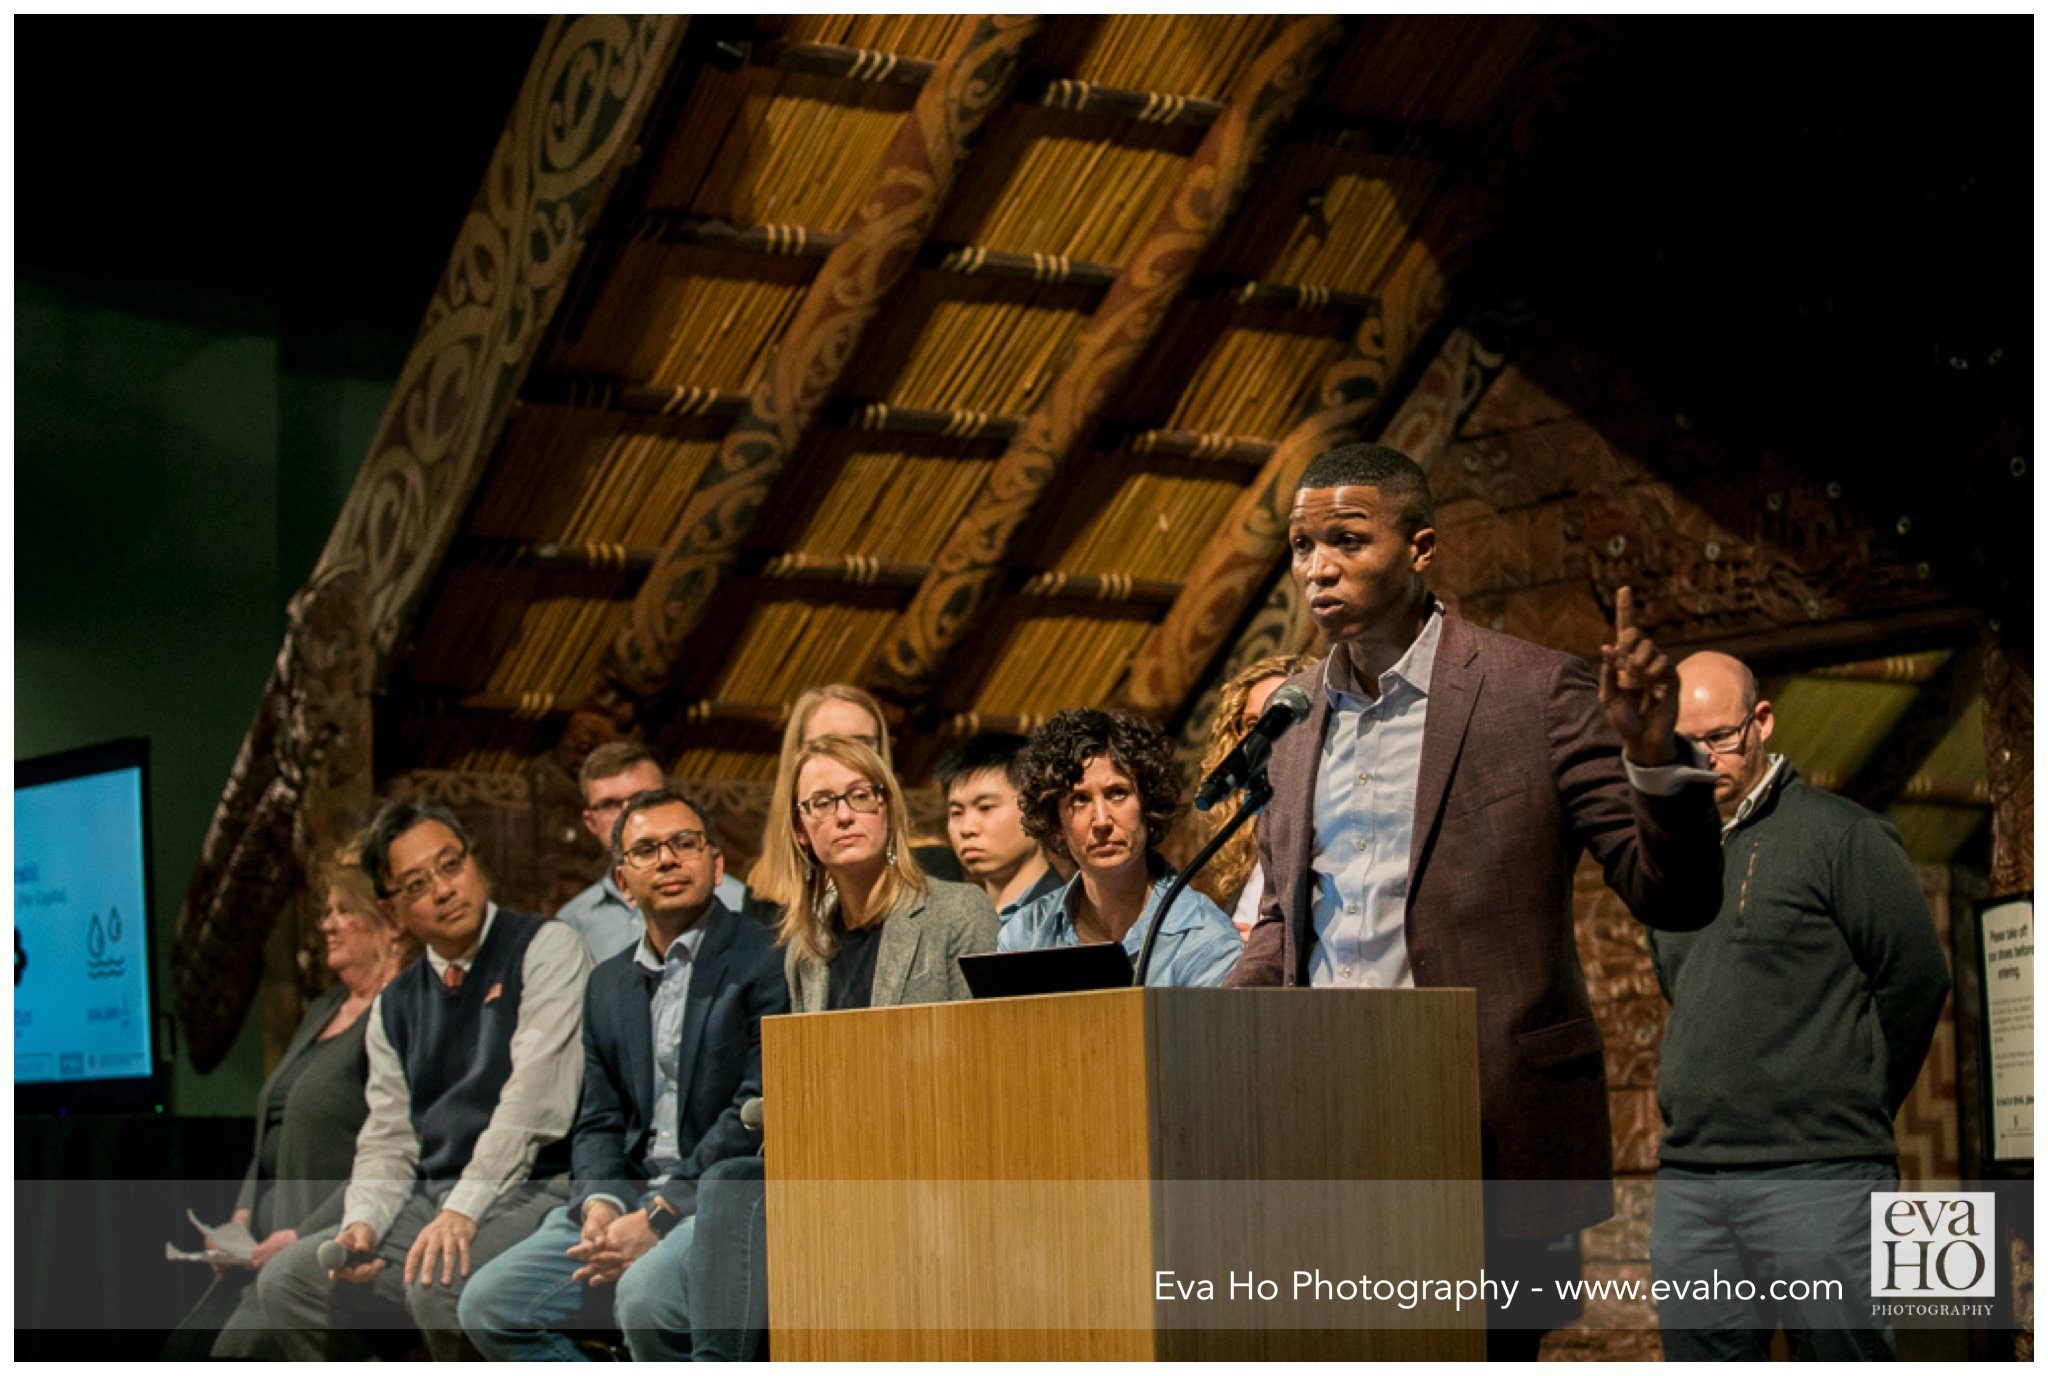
(1624, 612)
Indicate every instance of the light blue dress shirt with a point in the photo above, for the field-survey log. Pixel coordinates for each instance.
(1365, 818)
(609, 924)
(1196, 946)
(1366, 783)
(665, 1021)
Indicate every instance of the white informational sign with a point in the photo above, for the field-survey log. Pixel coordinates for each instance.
(2006, 930)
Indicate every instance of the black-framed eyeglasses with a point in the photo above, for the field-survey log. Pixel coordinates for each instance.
(1728, 740)
(417, 884)
(645, 855)
(862, 798)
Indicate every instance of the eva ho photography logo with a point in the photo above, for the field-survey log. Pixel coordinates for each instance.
(1931, 1245)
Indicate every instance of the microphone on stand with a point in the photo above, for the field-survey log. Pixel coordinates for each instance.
(1287, 707)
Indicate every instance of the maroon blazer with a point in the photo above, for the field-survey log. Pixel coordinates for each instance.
(1520, 772)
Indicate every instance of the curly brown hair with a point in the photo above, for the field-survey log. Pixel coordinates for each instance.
(1059, 753)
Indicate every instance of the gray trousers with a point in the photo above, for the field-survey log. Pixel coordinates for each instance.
(315, 1319)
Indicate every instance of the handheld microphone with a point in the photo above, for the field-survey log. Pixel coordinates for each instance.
(1284, 709)
(335, 1257)
(752, 1114)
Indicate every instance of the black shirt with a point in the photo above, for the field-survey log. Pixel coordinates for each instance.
(850, 978)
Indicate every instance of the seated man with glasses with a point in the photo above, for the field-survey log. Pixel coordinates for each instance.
(672, 1048)
(611, 774)
(474, 1067)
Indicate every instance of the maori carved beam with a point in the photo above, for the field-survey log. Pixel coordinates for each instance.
(891, 225)
(968, 571)
(303, 768)
(2009, 754)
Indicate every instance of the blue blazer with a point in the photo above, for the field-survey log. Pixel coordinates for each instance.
(736, 981)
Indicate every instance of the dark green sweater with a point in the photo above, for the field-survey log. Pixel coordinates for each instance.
(1801, 1014)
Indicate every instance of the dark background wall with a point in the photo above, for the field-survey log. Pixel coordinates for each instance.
(226, 232)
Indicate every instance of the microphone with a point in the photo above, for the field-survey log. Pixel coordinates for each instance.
(752, 1114)
(1287, 706)
(334, 1257)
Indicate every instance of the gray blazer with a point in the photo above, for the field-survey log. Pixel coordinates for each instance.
(914, 961)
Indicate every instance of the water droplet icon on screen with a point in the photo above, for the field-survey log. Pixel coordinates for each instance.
(95, 939)
(113, 924)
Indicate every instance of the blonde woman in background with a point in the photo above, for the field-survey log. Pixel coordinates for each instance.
(1233, 878)
(848, 713)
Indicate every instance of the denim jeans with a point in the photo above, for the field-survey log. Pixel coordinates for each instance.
(1790, 1225)
(728, 1265)
(524, 1305)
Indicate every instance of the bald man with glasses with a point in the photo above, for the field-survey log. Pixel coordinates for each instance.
(1799, 1020)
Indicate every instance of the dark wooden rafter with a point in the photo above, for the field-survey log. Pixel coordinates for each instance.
(852, 413)
(1937, 705)
(306, 761)
(847, 570)
(1058, 92)
(893, 219)
(972, 260)
(1215, 181)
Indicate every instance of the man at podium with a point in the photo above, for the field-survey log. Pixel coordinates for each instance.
(1426, 821)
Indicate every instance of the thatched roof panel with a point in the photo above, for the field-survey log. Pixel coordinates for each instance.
(760, 146)
(1029, 661)
(584, 476)
(1199, 55)
(1065, 183)
(1139, 516)
(892, 498)
(687, 316)
(968, 343)
(1329, 217)
(907, 35)
(1432, 71)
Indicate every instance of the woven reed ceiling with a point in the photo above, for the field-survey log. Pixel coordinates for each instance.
(1344, 205)
(754, 169)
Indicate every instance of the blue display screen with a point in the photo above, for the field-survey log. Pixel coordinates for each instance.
(81, 939)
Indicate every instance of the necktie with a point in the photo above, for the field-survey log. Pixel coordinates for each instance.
(452, 977)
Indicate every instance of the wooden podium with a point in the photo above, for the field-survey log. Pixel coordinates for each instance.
(1056, 1177)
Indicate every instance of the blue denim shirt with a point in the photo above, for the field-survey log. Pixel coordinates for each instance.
(1196, 946)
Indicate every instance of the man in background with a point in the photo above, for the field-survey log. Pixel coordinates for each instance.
(1799, 1020)
(608, 924)
(985, 823)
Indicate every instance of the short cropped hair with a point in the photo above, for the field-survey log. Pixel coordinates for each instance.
(997, 750)
(1397, 476)
(612, 759)
(1059, 752)
(652, 798)
(394, 820)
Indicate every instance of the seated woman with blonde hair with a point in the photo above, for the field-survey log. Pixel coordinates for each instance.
(868, 927)
(850, 713)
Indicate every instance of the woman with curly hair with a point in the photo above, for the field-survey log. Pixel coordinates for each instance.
(1233, 878)
(1100, 789)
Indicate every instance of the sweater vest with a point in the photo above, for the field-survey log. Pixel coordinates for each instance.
(456, 1048)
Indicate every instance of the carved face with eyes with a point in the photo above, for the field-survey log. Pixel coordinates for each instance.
(1355, 560)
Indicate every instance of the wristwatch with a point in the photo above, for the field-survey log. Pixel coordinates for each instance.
(662, 1217)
